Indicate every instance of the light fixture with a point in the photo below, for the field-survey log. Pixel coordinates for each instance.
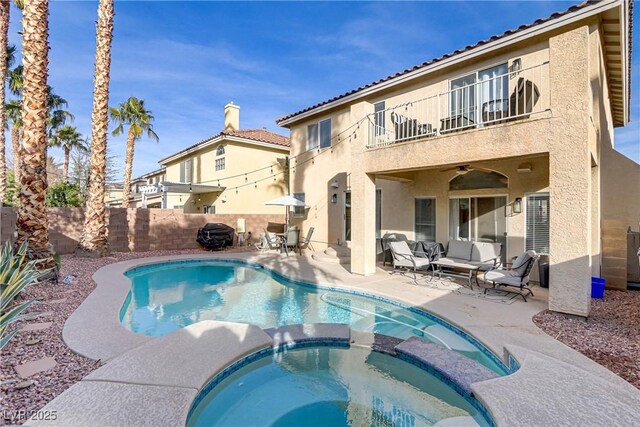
(524, 168)
(517, 205)
(335, 184)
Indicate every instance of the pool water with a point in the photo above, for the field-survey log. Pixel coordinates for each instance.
(169, 296)
(327, 386)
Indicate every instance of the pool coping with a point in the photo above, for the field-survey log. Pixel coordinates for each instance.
(94, 330)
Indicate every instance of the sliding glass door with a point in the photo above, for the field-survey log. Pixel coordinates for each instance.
(479, 219)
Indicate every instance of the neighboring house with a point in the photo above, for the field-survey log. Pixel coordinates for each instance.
(113, 194)
(509, 140)
(233, 172)
(137, 198)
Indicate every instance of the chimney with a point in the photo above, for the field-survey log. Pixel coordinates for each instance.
(231, 117)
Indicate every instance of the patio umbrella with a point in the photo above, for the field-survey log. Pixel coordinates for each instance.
(285, 201)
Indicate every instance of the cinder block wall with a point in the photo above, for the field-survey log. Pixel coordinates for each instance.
(136, 230)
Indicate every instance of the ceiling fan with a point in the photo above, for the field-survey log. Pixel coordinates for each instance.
(460, 169)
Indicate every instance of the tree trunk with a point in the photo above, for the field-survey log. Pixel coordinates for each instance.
(32, 222)
(93, 241)
(15, 142)
(65, 167)
(5, 7)
(128, 164)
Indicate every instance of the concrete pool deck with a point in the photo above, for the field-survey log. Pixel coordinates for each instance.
(554, 385)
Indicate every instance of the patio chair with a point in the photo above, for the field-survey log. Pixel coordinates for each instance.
(407, 128)
(268, 242)
(291, 239)
(517, 275)
(404, 258)
(306, 242)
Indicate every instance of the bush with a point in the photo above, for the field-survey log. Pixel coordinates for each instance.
(64, 195)
(16, 273)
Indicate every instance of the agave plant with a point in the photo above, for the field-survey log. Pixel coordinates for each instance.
(16, 273)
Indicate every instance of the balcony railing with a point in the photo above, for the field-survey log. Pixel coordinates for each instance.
(515, 95)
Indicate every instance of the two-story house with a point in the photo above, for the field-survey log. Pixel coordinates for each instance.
(508, 140)
(233, 172)
(137, 198)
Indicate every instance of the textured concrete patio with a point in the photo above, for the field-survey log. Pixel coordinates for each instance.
(554, 385)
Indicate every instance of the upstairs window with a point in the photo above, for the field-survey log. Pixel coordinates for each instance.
(220, 164)
(220, 150)
(319, 135)
(186, 171)
(379, 119)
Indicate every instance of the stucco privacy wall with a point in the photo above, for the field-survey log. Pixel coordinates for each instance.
(620, 210)
(135, 230)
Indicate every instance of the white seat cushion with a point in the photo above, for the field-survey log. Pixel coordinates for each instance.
(459, 249)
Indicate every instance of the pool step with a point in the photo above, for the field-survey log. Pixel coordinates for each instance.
(334, 254)
(283, 335)
(448, 364)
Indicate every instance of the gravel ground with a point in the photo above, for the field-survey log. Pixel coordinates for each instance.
(71, 367)
(610, 336)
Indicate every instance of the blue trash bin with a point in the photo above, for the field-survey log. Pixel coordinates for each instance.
(597, 287)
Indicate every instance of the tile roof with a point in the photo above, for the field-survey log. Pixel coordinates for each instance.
(540, 21)
(260, 135)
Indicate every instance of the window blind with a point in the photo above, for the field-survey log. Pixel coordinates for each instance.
(537, 237)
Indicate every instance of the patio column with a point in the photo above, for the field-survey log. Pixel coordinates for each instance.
(570, 174)
(363, 199)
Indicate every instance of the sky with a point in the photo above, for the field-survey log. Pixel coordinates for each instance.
(188, 59)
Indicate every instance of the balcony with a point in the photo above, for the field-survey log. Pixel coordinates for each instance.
(489, 100)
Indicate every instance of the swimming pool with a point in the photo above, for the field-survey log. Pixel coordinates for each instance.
(324, 386)
(168, 296)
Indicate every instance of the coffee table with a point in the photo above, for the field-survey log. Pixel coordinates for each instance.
(469, 270)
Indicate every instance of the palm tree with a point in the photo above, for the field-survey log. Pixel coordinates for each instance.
(131, 113)
(93, 241)
(5, 57)
(68, 138)
(32, 222)
(56, 115)
(14, 114)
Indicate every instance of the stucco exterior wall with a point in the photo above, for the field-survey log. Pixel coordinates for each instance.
(239, 158)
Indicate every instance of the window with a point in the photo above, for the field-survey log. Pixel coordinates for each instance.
(474, 180)
(319, 135)
(537, 237)
(378, 213)
(298, 210)
(186, 171)
(425, 219)
(220, 150)
(379, 119)
(178, 206)
(220, 164)
(209, 209)
(480, 95)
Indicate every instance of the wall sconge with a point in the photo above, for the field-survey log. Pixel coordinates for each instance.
(517, 205)
(335, 184)
(524, 168)
(334, 198)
